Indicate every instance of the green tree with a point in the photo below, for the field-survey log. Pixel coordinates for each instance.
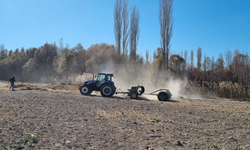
(3, 54)
(10, 53)
(177, 63)
(98, 55)
(240, 67)
(31, 52)
(79, 59)
(158, 59)
(44, 58)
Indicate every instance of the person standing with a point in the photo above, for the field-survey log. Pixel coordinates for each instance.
(12, 80)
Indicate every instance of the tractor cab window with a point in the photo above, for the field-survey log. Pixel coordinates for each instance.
(109, 78)
(101, 77)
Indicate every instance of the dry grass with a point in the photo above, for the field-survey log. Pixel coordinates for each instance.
(25, 86)
(224, 89)
(63, 86)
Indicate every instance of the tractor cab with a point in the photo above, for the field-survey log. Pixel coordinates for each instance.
(103, 77)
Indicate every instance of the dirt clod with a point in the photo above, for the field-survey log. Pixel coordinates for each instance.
(178, 143)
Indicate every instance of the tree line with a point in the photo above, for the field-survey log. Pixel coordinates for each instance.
(226, 72)
(50, 59)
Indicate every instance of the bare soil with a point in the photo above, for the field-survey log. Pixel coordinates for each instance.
(62, 118)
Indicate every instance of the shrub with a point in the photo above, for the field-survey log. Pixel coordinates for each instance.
(30, 138)
(155, 119)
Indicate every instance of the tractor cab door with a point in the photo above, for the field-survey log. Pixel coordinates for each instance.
(100, 79)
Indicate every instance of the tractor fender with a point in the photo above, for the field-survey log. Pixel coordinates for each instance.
(89, 82)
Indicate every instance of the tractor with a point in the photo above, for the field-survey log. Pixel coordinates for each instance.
(103, 83)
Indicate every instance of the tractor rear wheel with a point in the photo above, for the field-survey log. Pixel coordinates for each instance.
(163, 96)
(86, 89)
(107, 90)
(134, 95)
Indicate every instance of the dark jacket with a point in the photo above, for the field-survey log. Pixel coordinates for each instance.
(12, 79)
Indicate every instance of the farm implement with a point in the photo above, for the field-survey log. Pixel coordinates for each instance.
(103, 82)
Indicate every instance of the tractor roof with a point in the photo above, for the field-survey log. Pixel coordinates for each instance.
(111, 74)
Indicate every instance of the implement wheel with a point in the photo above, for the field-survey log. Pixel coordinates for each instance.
(163, 96)
(134, 95)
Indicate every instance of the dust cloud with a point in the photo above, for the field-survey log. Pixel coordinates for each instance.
(126, 75)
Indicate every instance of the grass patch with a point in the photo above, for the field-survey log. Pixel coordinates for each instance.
(30, 138)
(215, 147)
(155, 119)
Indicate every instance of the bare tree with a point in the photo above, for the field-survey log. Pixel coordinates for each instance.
(166, 26)
(221, 56)
(186, 56)
(147, 63)
(199, 55)
(67, 45)
(61, 46)
(125, 24)
(1, 47)
(209, 63)
(205, 63)
(134, 31)
(118, 25)
(212, 63)
(147, 55)
(3, 54)
(228, 56)
(192, 59)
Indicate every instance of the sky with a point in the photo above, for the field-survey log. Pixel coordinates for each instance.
(213, 25)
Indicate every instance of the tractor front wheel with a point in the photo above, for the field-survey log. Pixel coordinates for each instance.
(86, 89)
(107, 90)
